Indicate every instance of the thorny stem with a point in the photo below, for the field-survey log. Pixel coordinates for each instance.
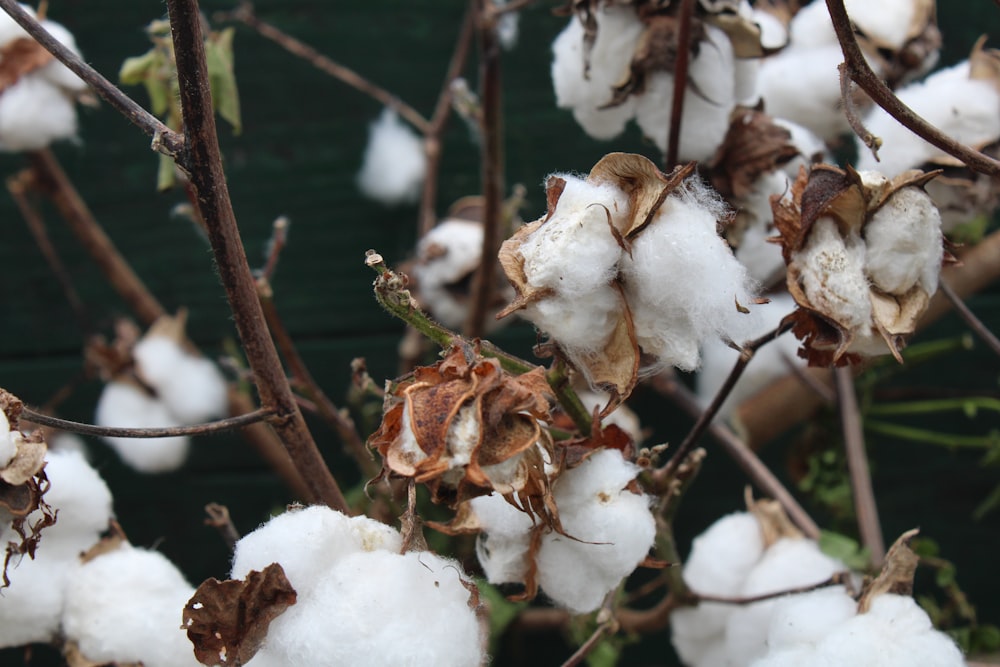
(680, 83)
(165, 140)
(970, 318)
(705, 418)
(858, 70)
(52, 180)
(218, 518)
(851, 113)
(213, 201)
(744, 457)
(491, 126)
(227, 424)
(17, 186)
(439, 119)
(244, 14)
(869, 526)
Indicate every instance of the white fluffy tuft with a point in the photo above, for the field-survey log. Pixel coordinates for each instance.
(394, 165)
(125, 405)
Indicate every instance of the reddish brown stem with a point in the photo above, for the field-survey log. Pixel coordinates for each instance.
(680, 83)
(209, 182)
(227, 424)
(970, 318)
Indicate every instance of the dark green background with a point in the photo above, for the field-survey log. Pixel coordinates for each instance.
(304, 134)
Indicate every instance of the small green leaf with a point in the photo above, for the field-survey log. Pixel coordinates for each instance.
(945, 576)
(222, 79)
(605, 654)
(985, 639)
(135, 69)
(925, 547)
(165, 176)
(845, 549)
(990, 504)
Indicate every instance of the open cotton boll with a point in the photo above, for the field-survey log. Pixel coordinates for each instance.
(31, 607)
(782, 78)
(55, 72)
(190, 386)
(304, 541)
(8, 447)
(811, 26)
(618, 32)
(720, 559)
(887, 21)
(802, 621)
(708, 100)
(81, 497)
(125, 606)
(788, 563)
(904, 243)
(10, 29)
(833, 273)
(394, 165)
(33, 114)
(613, 527)
(503, 544)
(965, 109)
(379, 608)
(682, 241)
(446, 255)
(128, 406)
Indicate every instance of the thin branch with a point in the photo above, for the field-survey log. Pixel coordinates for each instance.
(970, 318)
(518, 5)
(492, 160)
(279, 237)
(227, 424)
(209, 182)
(744, 457)
(685, 18)
(851, 113)
(218, 518)
(836, 579)
(165, 140)
(244, 13)
(857, 68)
(869, 525)
(809, 380)
(53, 181)
(17, 186)
(586, 647)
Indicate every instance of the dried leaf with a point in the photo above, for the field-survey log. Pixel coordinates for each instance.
(897, 573)
(28, 461)
(646, 186)
(227, 621)
(753, 145)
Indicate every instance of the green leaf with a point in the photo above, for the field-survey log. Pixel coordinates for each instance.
(159, 95)
(165, 175)
(925, 547)
(135, 69)
(605, 654)
(845, 549)
(945, 576)
(222, 79)
(985, 639)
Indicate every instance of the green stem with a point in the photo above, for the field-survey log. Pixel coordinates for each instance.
(932, 437)
(968, 405)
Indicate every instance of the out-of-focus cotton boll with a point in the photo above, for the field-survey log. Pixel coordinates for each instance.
(64, 441)
(394, 165)
(31, 607)
(615, 529)
(618, 32)
(190, 386)
(8, 447)
(33, 114)
(887, 21)
(11, 30)
(802, 621)
(55, 72)
(126, 405)
(125, 606)
(719, 562)
(782, 78)
(379, 608)
(708, 100)
(965, 109)
(788, 563)
(502, 546)
(903, 239)
(672, 322)
(306, 540)
(767, 365)
(507, 27)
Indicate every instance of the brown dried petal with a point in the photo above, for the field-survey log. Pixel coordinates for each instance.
(897, 573)
(28, 461)
(753, 145)
(895, 317)
(19, 57)
(616, 368)
(227, 621)
(512, 262)
(12, 407)
(774, 522)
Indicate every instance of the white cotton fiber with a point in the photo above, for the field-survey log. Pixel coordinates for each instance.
(502, 545)
(612, 530)
(903, 239)
(507, 27)
(965, 109)
(811, 26)
(33, 114)
(125, 606)
(447, 254)
(305, 541)
(802, 621)
(191, 387)
(81, 497)
(31, 607)
(833, 274)
(887, 21)
(10, 29)
(673, 318)
(394, 165)
(125, 405)
(8, 447)
(55, 72)
(618, 32)
(783, 78)
(379, 608)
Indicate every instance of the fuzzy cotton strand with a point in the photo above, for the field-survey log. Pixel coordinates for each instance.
(394, 165)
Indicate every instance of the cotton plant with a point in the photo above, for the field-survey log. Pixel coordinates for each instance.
(167, 386)
(394, 165)
(39, 93)
(359, 599)
(801, 83)
(963, 101)
(864, 254)
(590, 273)
(614, 62)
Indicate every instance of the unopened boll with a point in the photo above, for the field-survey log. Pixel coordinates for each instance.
(126, 405)
(394, 164)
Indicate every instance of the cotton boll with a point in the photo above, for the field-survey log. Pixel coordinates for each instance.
(8, 448)
(10, 29)
(157, 359)
(379, 608)
(394, 165)
(81, 497)
(125, 606)
(31, 607)
(125, 405)
(783, 78)
(613, 530)
(811, 26)
(887, 21)
(446, 255)
(33, 114)
(65, 441)
(708, 100)
(788, 563)
(305, 541)
(507, 27)
(503, 543)
(802, 621)
(191, 387)
(833, 274)
(904, 243)
(55, 72)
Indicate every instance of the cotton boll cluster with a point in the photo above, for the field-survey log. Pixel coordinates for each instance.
(740, 555)
(37, 107)
(125, 606)
(394, 165)
(360, 601)
(31, 607)
(769, 362)
(186, 389)
(608, 532)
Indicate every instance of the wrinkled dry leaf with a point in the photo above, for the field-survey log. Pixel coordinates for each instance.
(21, 501)
(227, 621)
(754, 145)
(897, 573)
